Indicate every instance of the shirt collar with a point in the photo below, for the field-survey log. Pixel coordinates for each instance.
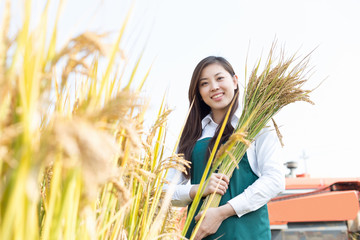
(208, 119)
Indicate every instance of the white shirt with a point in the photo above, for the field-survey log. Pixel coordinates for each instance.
(264, 159)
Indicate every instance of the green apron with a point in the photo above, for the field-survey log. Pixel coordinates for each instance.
(251, 226)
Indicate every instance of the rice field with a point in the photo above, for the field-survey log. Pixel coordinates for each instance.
(76, 161)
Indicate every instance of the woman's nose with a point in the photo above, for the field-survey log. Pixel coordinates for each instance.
(214, 86)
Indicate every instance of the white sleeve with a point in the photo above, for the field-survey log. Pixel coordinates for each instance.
(180, 186)
(265, 159)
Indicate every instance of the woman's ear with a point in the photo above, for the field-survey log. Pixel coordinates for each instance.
(235, 80)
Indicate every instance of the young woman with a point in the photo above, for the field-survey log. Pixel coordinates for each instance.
(242, 213)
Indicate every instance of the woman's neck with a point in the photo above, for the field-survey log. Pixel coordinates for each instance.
(217, 116)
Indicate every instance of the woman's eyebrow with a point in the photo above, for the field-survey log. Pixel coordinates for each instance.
(205, 78)
(218, 73)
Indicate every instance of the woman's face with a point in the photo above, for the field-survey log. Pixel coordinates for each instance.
(216, 87)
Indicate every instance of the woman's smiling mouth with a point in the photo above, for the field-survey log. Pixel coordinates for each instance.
(217, 96)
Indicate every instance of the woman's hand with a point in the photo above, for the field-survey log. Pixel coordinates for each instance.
(215, 179)
(212, 220)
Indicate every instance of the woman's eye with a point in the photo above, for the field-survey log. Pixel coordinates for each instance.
(203, 84)
(220, 78)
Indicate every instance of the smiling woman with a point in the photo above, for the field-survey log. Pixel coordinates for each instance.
(242, 212)
(216, 87)
(193, 129)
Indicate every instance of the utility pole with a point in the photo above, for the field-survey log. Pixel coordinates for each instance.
(304, 157)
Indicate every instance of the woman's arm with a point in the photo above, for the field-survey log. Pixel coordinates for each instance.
(180, 186)
(184, 192)
(265, 160)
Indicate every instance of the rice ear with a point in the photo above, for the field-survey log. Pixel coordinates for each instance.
(278, 132)
(92, 149)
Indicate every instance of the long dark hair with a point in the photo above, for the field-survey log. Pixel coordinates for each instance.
(192, 130)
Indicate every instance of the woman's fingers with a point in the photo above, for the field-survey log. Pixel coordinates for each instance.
(217, 183)
(219, 188)
(222, 177)
(198, 216)
(211, 223)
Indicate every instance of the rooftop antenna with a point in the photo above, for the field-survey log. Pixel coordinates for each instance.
(291, 165)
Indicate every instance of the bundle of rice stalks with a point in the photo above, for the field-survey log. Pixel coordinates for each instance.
(265, 94)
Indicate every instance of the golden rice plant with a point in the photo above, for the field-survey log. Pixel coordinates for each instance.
(75, 159)
(265, 94)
